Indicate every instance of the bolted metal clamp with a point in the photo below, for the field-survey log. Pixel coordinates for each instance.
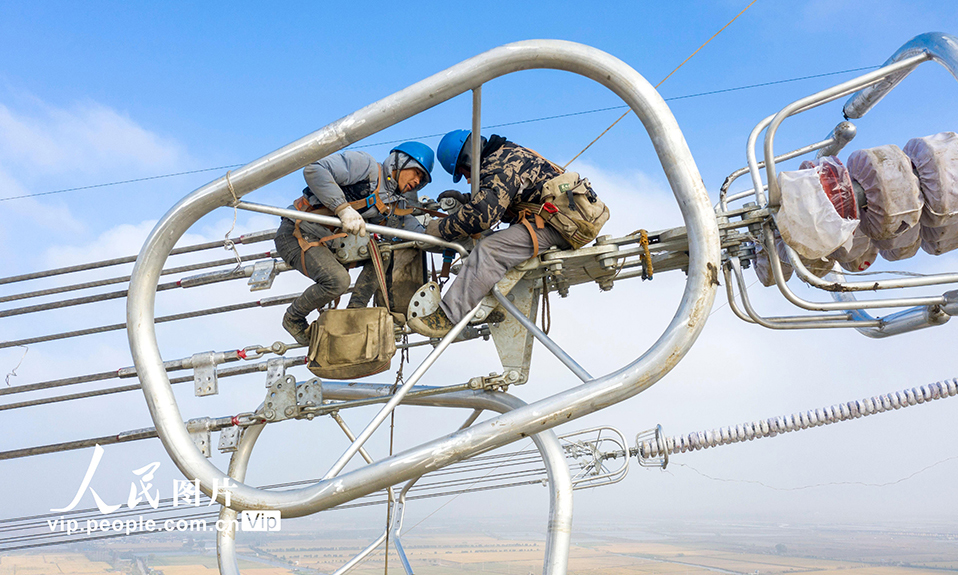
(199, 430)
(204, 373)
(280, 400)
(230, 438)
(309, 395)
(494, 381)
(264, 272)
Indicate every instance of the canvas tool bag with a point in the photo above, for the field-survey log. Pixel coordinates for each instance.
(353, 343)
(570, 206)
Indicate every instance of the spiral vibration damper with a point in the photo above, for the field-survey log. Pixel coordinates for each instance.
(659, 445)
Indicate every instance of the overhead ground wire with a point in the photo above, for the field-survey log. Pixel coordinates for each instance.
(147, 178)
(604, 132)
(426, 136)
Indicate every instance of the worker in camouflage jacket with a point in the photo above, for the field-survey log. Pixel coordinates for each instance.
(354, 187)
(508, 174)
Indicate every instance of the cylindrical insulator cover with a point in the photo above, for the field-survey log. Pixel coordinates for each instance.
(819, 268)
(894, 201)
(902, 247)
(854, 249)
(937, 241)
(860, 256)
(763, 267)
(837, 184)
(939, 234)
(935, 158)
(818, 211)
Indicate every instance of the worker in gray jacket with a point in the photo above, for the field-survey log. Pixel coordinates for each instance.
(356, 189)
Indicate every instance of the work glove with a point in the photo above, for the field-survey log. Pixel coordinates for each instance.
(353, 223)
(456, 195)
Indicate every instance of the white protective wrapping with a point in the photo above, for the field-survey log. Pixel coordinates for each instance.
(937, 241)
(818, 267)
(939, 234)
(907, 239)
(894, 201)
(902, 247)
(935, 158)
(864, 261)
(853, 250)
(938, 248)
(807, 219)
(763, 268)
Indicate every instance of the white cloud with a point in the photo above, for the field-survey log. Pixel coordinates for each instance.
(87, 138)
(44, 213)
(119, 241)
(41, 144)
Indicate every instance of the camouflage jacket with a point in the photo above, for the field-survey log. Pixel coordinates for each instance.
(508, 173)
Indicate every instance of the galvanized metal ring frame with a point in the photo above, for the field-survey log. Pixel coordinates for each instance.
(522, 420)
(560, 480)
(866, 90)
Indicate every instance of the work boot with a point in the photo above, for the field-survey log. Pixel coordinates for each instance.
(436, 324)
(297, 326)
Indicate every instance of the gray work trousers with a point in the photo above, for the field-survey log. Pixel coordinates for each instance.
(493, 256)
(331, 277)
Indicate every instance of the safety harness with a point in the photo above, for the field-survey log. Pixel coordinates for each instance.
(303, 204)
(525, 210)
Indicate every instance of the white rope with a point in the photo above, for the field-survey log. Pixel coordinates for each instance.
(227, 242)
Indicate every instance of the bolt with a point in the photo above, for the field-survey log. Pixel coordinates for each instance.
(269, 414)
(290, 411)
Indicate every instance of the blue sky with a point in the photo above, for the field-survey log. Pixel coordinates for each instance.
(97, 93)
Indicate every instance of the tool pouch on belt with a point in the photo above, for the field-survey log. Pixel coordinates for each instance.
(351, 343)
(570, 206)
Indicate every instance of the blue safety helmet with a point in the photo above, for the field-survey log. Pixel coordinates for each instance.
(455, 151)
(421, 153)
(449, 149)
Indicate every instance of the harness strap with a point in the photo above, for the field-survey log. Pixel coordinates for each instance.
(380, 272)
(302, 204)
(540, 223)
(447, 257)
(305, 246)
